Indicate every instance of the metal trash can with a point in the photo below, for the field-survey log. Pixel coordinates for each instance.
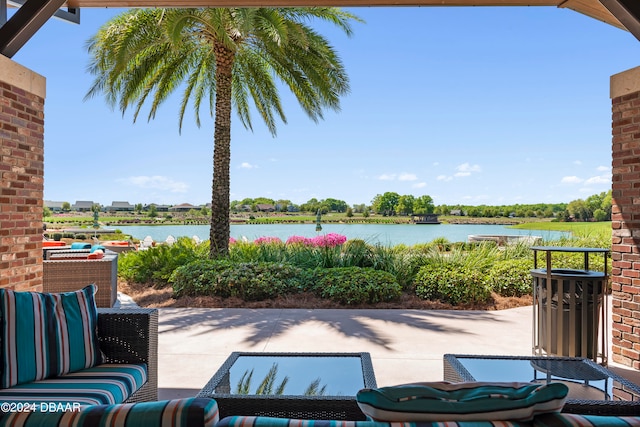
(569, 309)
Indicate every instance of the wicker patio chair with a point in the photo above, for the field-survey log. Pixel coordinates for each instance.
(131, 336)
(68, 274)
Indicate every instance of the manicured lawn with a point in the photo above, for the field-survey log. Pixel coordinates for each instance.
(578, 228)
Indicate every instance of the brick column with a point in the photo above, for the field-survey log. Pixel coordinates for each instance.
(22, 94)
(625, 275)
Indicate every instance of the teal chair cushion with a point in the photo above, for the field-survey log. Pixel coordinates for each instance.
(191, 412)
(104, 384)
(244, 421)
(574, 420)
(47, 334)
(80, 245)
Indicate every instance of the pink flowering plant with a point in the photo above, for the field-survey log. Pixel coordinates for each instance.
(267, 240)
(327, 240)
(323, 251)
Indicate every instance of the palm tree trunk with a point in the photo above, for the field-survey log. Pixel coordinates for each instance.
(220, 189)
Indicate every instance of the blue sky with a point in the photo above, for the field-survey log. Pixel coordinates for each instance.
(467, 105)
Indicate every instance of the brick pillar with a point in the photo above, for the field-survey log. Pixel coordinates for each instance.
(625, 275)
(22, 94)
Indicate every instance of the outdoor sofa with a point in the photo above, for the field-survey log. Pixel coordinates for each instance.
(58, 349)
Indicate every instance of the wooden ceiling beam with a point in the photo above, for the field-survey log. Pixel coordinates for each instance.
(32, 14)
(592, 8)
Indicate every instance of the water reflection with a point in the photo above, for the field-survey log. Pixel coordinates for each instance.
(268, 384)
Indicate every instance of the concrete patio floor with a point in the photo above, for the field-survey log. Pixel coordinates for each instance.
(405, 345)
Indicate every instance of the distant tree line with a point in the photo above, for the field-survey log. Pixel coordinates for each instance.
(595, 208)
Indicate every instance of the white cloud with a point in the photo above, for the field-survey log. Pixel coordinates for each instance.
(602, 179)
(156, 182)
(571, 180)
(444, 178)
(466, 169)
(603, 168)
(400, 177)
(387, 177)
(577, 162)
(407, 177)
(419, 185)
(247, 165)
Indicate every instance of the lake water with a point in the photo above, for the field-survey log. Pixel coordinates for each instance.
(385, 234)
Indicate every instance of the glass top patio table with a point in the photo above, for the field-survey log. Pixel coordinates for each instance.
(592, 388)
(291, 385)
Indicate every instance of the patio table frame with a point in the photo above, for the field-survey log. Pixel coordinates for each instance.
(454, 371)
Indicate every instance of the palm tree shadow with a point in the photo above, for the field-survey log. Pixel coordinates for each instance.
(266, 324)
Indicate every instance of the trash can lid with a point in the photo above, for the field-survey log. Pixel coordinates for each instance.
(568, 249)
(568, 272)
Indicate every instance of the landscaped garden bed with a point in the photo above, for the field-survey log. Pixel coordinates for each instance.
(331, 272)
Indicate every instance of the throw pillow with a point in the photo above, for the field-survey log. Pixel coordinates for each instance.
(46, 334)
(472, 401)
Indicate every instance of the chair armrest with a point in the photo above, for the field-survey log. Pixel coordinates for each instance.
(131, 336)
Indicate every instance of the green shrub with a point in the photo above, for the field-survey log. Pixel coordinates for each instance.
(357, 253)
(155, 265)
(355, 285)
(451, 283)
(81, 236)
(403, 263)
(57, 236)
(511, 278)
(250, 281)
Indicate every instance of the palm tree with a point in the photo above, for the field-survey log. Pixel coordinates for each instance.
(227, 56)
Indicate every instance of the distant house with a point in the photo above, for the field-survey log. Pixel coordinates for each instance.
(159, 208)
(457, 212)
(183, 207)
(53, 206)
(265, 207)
(82, 206)
(120, 207)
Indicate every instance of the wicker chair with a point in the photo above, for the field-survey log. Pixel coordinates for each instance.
(65, 275)
(131, 336)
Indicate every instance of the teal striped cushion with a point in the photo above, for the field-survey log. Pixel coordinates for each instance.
(243, 421)
(44, 334)
(102, 384)
(192, 412)
(471, 401)
(574, 420)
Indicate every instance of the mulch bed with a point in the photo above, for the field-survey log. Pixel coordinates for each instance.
(148, 296)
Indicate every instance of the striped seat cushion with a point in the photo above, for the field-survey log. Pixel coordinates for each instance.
(574, 420)
(242, 421)
(470, 401)
(102, 384)
(43, 335)
(192, 412)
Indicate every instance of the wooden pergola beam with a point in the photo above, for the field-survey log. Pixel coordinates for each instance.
(591, 8)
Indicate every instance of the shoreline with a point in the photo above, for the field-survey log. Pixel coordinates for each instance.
(75, 224)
